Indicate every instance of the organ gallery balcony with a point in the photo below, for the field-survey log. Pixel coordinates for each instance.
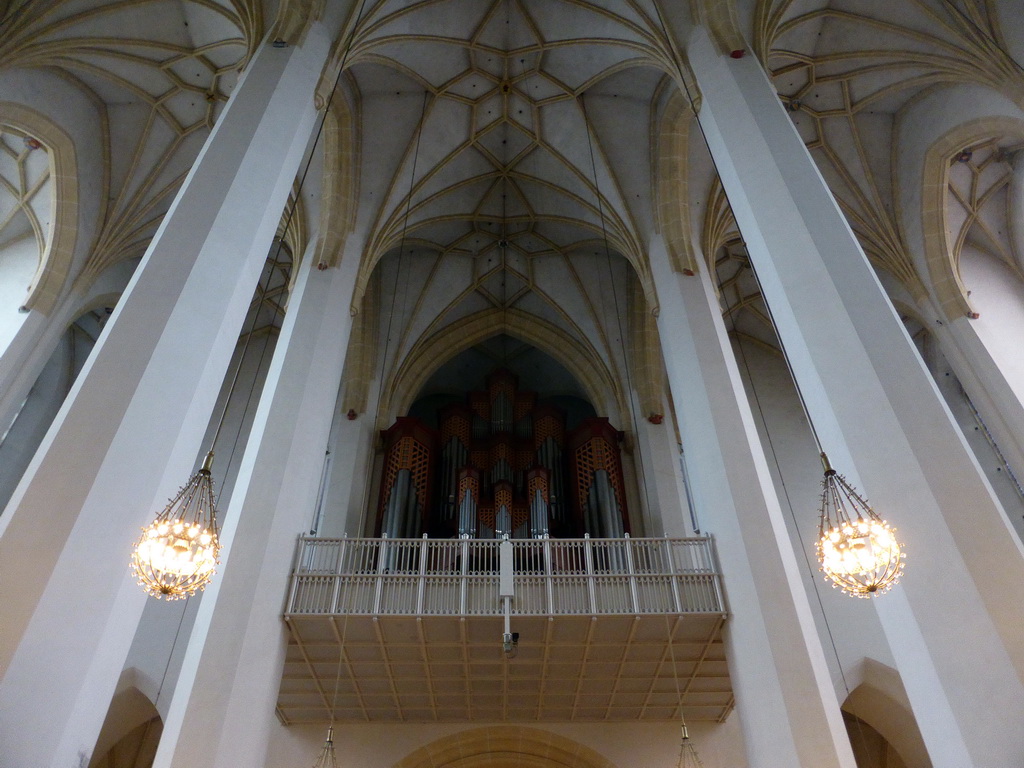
(387, 630)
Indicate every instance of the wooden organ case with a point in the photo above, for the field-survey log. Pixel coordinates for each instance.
(502, 463)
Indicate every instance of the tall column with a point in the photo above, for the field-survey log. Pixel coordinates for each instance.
(787, 706)
(130, 429)
(663, 492)
(347, 503)
(223, 706)
(954, 624)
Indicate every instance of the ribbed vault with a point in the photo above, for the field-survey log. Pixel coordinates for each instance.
(157, 73)
(532, 119)
(582, 361)
(847, 70)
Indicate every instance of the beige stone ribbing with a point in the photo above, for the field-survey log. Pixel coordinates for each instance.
(942, 254)
(504, 746)
(59, 243)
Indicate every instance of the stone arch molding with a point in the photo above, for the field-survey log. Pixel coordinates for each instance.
(672, 215)
(579, 358)
(55, 262)
(340, 186)
(943, 270)
(504, 747)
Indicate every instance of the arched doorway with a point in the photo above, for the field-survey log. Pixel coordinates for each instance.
(504, 747)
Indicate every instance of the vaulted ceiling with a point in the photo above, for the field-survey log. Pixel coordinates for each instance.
(507, 145)
(511, 145)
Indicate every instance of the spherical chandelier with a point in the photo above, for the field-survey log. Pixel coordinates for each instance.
(177, 554)
(857, 549)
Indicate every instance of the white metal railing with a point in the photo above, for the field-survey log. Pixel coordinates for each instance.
(460, 577)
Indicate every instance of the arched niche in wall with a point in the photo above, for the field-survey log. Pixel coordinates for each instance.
(38, 203)
(880, 723)
(504, 747)
(502, 439)
(130, 733)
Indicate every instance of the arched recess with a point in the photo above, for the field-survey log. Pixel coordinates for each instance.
(55, 263)
(504, 746)
(943, 271)
(131, 730)
(578, 357)
(881, 702)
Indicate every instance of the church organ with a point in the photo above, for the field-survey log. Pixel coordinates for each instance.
(499, 464)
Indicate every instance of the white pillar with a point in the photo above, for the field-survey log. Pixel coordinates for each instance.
(787, 706)
(130, 429)
(223, 707)
(661, 478)
(347, 503)
(954, 625)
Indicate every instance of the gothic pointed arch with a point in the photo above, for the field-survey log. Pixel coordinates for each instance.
(942, 252)
(340, 186)
(504, 747)
(58, 242)
(578, 357)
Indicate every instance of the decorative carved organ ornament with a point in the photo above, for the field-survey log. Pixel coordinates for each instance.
(502, 464)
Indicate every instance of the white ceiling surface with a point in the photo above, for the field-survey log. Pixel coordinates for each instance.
(853, 66)
(503, 155)
(157, 72)
(504, 136)
(536, 128)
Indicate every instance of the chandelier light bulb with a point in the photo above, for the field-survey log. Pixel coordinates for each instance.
(177, 554)
(857, 549)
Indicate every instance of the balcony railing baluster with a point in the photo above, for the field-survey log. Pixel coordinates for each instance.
(553, 577)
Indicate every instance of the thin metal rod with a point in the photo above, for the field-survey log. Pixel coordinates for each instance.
(618, 320)
(746, 366)
(401, 251)
(290, 214)
(750, 263)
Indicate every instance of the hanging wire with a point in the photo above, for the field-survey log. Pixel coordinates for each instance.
(401, 250)
(503, 244)
(778, 466)
(638, 453)
(398, 272)
(789, 502)
(325, 472)
(177, 554)
(753, 388)
(688, 757)
(327, 757)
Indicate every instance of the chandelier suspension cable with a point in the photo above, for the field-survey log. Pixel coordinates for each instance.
(178, 553)
(688, 756)
(503, 244)
(637, 452)
(314, 524)
(398, 272)
(327, 758)
(296, 199)
(730, 313)
(785, 492)
(401, 250)
(857, 549)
